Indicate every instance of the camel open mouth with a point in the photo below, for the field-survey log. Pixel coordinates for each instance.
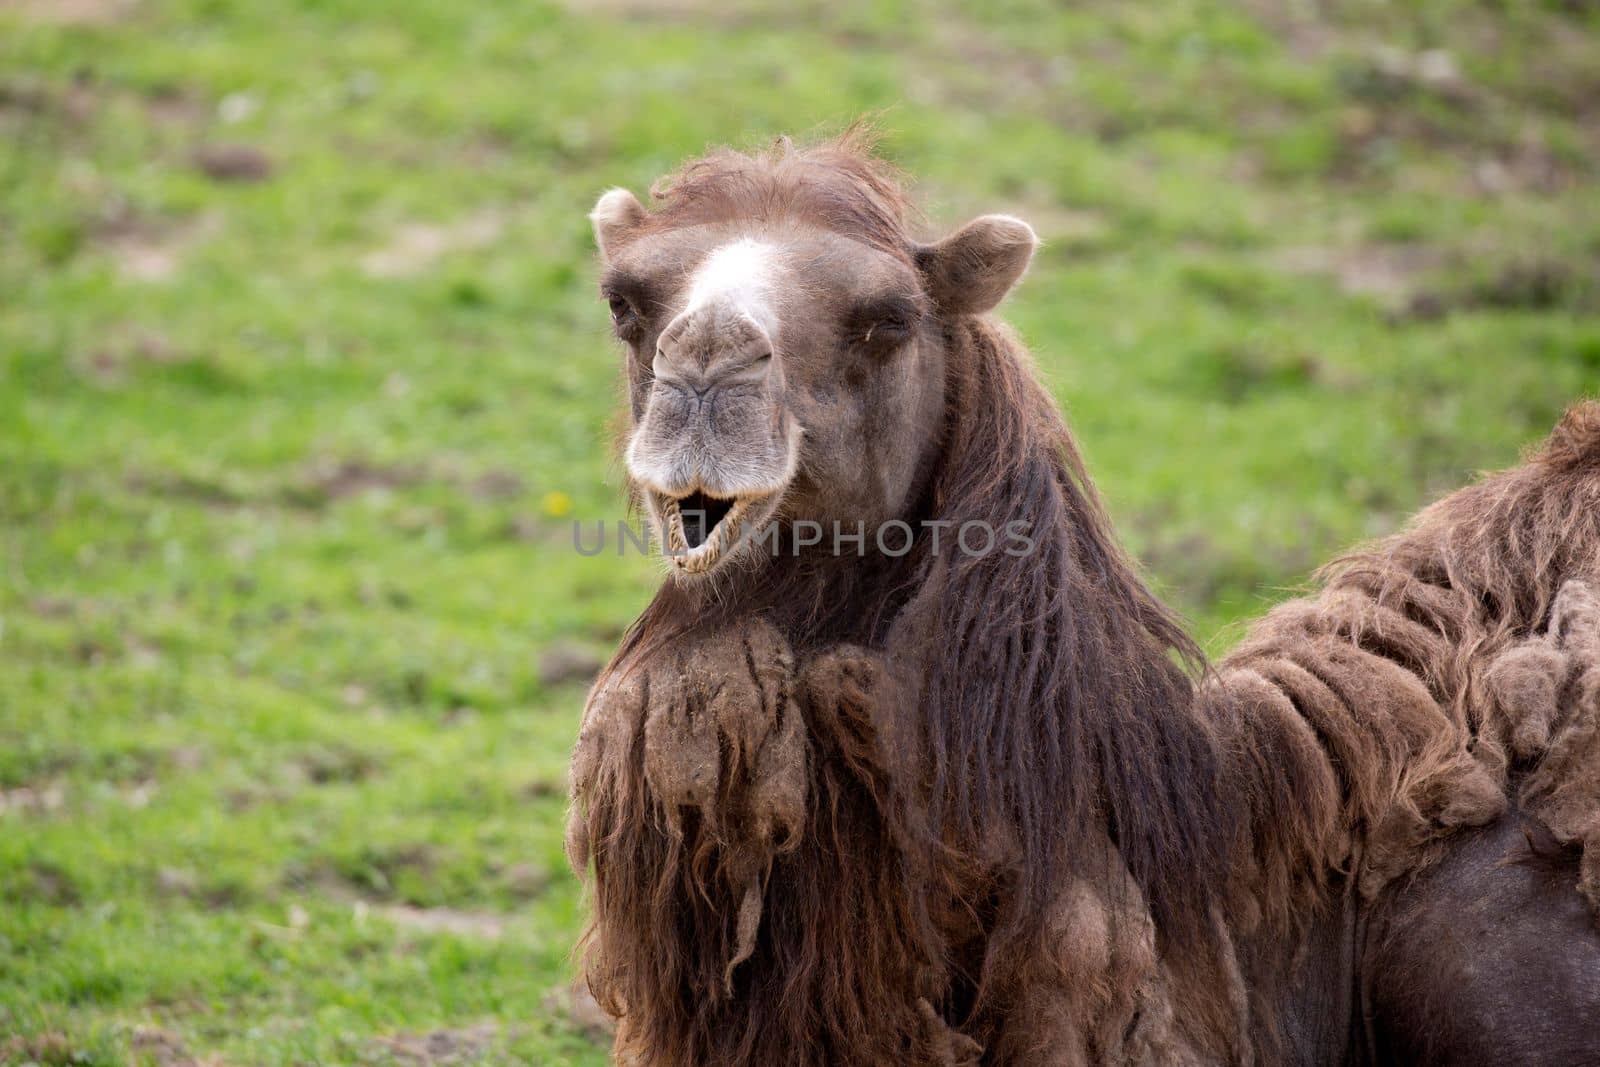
(699, 529)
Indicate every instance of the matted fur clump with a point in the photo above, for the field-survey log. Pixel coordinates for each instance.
(949, 809)
(1546, 691)
(1407, 696)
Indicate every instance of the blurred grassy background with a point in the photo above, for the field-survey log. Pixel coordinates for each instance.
(303, 377)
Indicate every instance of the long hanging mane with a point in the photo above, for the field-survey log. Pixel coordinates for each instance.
(1057, 703)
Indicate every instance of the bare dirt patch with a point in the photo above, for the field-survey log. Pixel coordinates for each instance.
(65, 106)
(496, 485)
(1391, 72)
(369, 878)
(328, 481)
(735, 11)
(1539, 285)
(334, 764)
(110, 365)
(153, 250)
(416, 246)
(1308, 37)
(545, 789)
(371, 887)
(163, 1048)
(577, 1007)
(176, 882)
(46, 1050)
(71, 12)
(567, 661)
(1536, 284)
(175, 106)
(319, 483)
(183, 883)
(484, 926)
(525, 881)
(44, 883)
(36, 799)
(1391, 273)
(189, 487)
(233, 163)
(439, 1047)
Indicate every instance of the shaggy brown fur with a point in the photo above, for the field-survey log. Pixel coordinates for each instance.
(838, 185)
(1419, 689)
(1547, 696)
(946, 808)
(1425, 636)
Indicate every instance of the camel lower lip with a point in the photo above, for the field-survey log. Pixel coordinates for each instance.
(697, 537)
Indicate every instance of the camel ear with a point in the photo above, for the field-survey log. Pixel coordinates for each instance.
(616, 214)
(968, 272)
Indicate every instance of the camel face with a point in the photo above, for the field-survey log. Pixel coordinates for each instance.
(766, 362)
(785, 362)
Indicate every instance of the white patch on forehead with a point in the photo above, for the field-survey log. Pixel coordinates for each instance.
(742, 274)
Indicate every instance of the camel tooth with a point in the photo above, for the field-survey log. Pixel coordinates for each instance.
(735, 520)
(673, 521)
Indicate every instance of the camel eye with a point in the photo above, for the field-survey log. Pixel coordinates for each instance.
(887, 332)
(882, 327)
(624, 317)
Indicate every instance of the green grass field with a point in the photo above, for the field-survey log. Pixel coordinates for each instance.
(303, 379)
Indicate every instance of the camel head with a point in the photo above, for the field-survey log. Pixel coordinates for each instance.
(785, 342)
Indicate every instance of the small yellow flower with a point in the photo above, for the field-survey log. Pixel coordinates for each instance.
(556, 503)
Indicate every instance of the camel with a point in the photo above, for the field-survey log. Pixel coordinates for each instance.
(930, 800)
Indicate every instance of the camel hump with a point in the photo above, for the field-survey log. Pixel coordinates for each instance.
(1575, 442)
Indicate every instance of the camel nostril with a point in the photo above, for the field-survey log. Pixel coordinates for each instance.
(754, 371)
